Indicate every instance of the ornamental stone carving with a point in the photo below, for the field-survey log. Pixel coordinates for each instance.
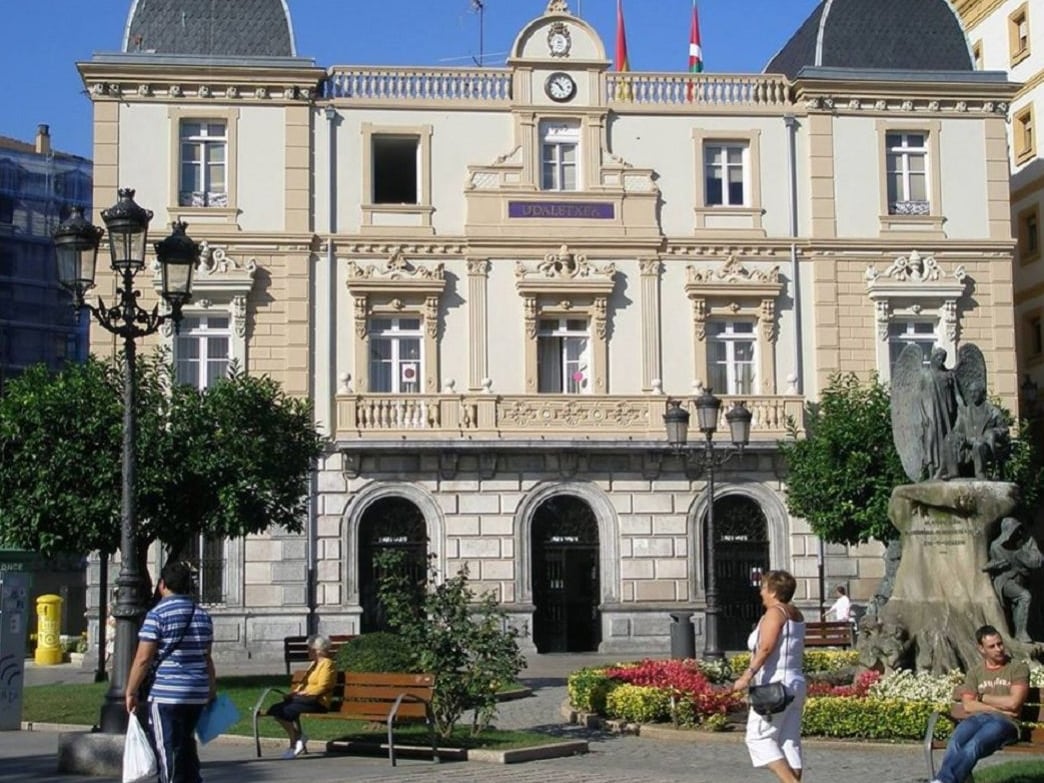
(557, 7)
(731, 271)
(566, 265)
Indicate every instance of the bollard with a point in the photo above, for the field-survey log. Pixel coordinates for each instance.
(48, 627)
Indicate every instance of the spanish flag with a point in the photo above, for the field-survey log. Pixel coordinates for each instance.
(622, 63)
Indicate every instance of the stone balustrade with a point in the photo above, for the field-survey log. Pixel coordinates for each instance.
(529, 416)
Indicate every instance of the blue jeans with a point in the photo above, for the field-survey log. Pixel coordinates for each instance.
(975, 738)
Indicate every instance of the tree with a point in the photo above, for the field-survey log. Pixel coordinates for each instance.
(229, 460)
(841, 475)
(467, 642)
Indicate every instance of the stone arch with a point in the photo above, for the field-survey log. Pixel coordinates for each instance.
(776, 517)
(355, 509)
(608, 536)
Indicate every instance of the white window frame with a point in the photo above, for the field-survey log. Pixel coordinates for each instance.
(730, 338)
(204, 143)
(556, 137)
(903, 331)
(395, 335)
(903, 154)
(202, 333)
(723, 169)
(562, 333)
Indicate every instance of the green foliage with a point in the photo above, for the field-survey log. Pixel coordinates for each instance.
(638, 704)
(375, 652)
(717, 671)
(467, 642)
(1020, 771)
(588, 689)
(817, 660)
(841, 475)
(230, 460)
(1025, 467)
(845, 716)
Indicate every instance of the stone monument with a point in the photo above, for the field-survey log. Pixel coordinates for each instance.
(952, 444)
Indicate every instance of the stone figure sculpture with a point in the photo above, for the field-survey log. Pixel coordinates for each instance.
(1013, 556)
(941, 421)
(979, 438)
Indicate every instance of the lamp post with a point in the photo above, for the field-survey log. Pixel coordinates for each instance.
(76, 249)
(676, 421)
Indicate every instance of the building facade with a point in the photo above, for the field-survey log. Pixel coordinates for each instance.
(1009, 36)
(37, 185)
(490, 281)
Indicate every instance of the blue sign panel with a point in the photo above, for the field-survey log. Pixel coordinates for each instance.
(583, 210)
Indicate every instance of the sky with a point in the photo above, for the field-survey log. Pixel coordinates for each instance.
(44, 39)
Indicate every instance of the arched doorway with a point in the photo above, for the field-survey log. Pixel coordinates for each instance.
(741, 545)
(388, 524)
(566, 578)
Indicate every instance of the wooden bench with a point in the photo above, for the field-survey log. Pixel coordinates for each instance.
(1031, 738)
(836, 633)
(370, 696)
(295, 648)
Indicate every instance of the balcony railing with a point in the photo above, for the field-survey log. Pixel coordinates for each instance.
(532, 416)
(492, 87)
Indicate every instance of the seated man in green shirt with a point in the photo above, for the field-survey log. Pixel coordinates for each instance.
(993, 694)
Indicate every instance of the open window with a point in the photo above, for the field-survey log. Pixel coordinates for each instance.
(396, 170)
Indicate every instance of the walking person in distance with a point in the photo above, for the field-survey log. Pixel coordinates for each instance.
(777, 646)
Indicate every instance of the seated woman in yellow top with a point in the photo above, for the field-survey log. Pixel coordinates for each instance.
(310, 695)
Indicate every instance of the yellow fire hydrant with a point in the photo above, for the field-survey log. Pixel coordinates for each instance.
(48, 630)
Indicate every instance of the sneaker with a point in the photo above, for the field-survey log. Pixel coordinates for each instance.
(300, 747)
(289, 754)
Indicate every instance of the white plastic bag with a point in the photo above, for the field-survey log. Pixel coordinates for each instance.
(139, 760)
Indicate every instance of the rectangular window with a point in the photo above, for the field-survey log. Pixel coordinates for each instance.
(395, 355)
(731, 349)
(559, 150)
(204, 163)
(1036, 336)
(1029, 235)
(201, 350)
(1025, 138)
(901, 333)
(395, 167)
(907, 173)
(563, 356)
(725, 174)
(207, 555)
(1018, 34)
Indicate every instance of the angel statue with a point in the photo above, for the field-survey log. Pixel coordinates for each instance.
(942, 425)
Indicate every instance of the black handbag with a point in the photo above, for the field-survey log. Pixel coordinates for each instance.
(769, 699)
(772, 697)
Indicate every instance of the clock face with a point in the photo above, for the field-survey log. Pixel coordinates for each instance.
(560, 87)
(558, 43)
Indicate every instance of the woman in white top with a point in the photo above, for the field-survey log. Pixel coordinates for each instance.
(777, 646)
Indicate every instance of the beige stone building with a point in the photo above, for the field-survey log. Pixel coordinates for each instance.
(490, 282)
(1008, 35)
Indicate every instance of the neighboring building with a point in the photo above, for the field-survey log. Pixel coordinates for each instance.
(1008, 35)
(490, 281)
(37, 186)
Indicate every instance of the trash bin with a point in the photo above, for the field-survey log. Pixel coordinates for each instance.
(48, 625)
(683, 636)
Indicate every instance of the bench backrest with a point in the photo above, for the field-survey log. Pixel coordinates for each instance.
(837, 632)
(295, 648)
(370, 695)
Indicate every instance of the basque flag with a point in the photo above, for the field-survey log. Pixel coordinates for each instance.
(695, 50)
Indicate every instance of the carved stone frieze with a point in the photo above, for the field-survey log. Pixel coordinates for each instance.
(731, 271)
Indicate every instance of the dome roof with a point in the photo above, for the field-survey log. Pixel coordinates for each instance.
(229, 28)
(895, 35)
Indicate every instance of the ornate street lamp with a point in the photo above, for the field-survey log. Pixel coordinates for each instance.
(76, 248)
(676, 421)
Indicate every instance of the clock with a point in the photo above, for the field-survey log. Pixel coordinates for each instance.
(558, 41)
(560, 87)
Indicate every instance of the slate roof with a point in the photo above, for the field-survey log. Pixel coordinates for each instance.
(896, 35)
(229, 28)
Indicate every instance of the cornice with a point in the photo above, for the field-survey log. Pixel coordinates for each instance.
(869, 98)
(188, 83)
(972, 12)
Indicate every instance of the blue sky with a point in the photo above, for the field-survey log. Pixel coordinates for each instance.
(43, 39)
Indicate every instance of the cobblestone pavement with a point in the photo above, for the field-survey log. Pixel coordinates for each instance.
(698, 758)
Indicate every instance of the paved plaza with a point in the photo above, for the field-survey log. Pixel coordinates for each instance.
(697, 758)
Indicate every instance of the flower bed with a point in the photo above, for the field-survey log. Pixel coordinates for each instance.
(696, 693)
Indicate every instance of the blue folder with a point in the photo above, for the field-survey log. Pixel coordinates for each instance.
(217, 717)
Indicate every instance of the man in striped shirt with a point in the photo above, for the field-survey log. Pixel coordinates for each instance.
(175, 638)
